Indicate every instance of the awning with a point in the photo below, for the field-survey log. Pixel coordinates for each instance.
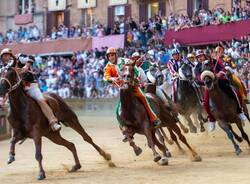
(208, 34)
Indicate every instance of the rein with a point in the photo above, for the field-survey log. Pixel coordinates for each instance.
(12, 87)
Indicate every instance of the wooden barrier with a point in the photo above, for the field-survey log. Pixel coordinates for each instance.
(5, 130)
(89, 107)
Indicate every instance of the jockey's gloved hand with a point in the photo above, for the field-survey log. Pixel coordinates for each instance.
(114, 79)
(176, 74)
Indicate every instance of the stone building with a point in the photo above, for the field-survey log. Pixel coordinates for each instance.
(48, 13)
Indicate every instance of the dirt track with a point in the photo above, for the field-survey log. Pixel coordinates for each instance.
(219, 165)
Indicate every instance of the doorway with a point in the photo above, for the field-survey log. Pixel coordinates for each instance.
(153, 9)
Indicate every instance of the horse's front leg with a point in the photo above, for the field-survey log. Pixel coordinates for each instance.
(136, 148)
(13, 141)
(39, 157)
(151, 144)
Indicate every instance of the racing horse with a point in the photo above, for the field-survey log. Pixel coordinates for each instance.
(187, 101)
(224, 109)
(28, 121)
(135, 119)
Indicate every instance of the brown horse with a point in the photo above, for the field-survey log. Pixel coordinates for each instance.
(134, 115)
(28, 121)
(224, 110)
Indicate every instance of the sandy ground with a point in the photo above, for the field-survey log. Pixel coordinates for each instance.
(219, 165)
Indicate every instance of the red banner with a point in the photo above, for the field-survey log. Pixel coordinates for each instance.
(23, 19)
(116, 41)
(208, 34)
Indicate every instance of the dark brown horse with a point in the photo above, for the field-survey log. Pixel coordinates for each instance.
(28, 121)
(135, 117)
(187, 102)
(224, 109)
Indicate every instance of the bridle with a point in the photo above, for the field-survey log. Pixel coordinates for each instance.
(15, 86)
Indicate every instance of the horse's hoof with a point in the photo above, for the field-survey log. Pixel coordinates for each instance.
(168, 154)
(202, 129)
(75, 168)
(193, 130)
(107, 156)
(239, 139)
(41, 176)
(238, 151)
(185, 130)
(138, 151)
(163, 161)
(196, 158)
(11, 159)
(157, 158)
(170, 141)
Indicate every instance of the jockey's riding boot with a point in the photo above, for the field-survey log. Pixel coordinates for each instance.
(55, 126)
(212, 126)
(157, 123)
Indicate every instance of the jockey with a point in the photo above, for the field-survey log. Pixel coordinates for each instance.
(24, 64)
(236, 81)
(191, 58)
(219, 54)
(173, 65)
(200, 57)
(112, 73)
(228, 61)
(219, 70)
(7, 57)
(142, 76)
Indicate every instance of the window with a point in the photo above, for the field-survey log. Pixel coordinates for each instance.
(119, 12)
(26, 6)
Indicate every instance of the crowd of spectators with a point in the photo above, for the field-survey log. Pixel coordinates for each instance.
(81, 75)
(153, 28)
(204, 17)
(23, 34)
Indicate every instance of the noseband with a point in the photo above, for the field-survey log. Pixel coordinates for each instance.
(12, 87)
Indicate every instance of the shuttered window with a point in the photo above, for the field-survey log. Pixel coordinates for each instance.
(190, 7)
(143, 12)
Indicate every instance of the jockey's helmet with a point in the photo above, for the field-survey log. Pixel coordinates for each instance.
(199, 53)
(23, 58)
(191, 57)
(136, 54)
(111, 50)
(175, 51)
(136, 57)
(219, 49)
(6, 51)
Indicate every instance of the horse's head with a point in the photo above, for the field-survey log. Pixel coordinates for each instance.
(128, 74)
(155, 76)
(9, 81)
(186, 72)
(209, 78)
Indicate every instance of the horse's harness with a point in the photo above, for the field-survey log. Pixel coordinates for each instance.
(12, 87)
